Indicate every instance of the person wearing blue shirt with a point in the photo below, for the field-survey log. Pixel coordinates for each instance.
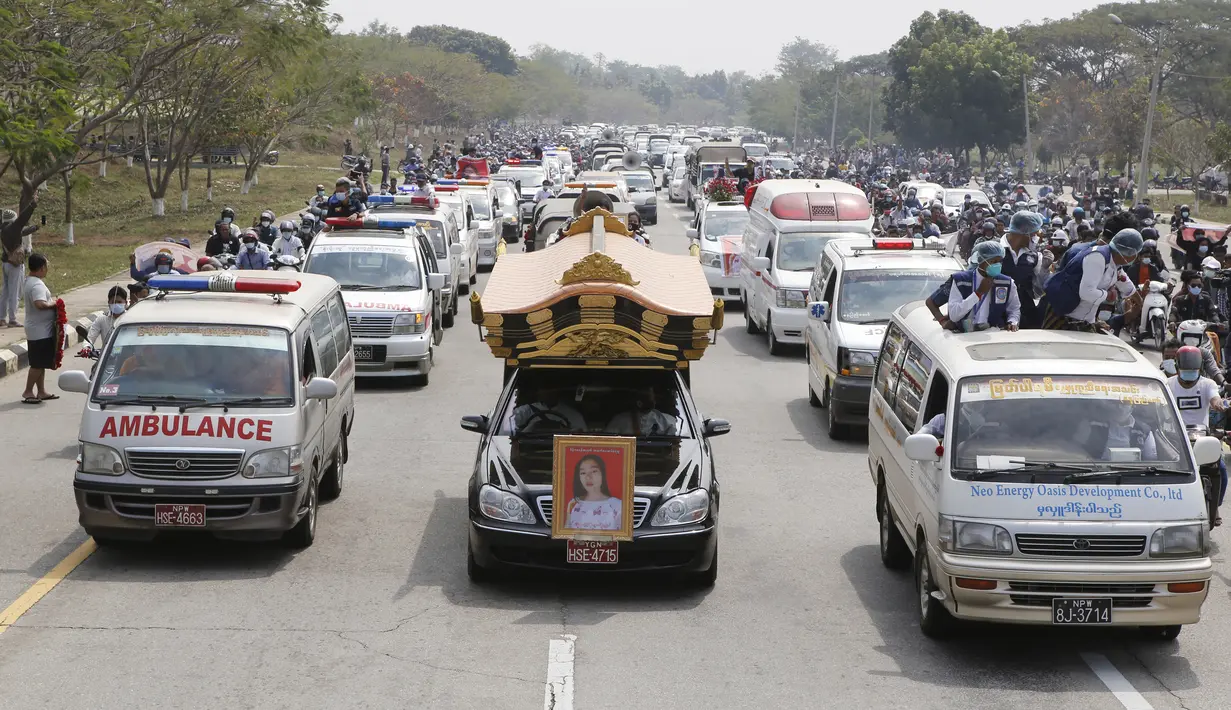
(251, 257)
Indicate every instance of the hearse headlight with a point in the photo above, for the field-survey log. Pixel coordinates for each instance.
(271, 463)
(1179, 541)
(408, 323)
(976, 538)
(99, 459)
(502, 505)
(691, 507)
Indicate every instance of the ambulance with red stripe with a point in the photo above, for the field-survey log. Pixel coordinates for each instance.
(221, 405)
(789, 224)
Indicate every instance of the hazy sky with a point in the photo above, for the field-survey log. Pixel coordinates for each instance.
(698, 36)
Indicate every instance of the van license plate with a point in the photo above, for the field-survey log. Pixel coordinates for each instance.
(175, 515)
(588, 552)
(363, 353)
(1066, 610)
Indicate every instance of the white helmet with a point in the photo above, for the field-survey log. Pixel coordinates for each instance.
(1191, 332)
(1210, 262)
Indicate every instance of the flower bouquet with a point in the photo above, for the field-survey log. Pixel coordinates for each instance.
(721, 189)
(61, 338)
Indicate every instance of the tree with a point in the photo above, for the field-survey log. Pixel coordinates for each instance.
(656, 91)
(493, 53)
(800, 58)
(1186, 144)
(1219, 143)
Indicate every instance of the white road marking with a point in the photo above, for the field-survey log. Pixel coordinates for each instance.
(558, 692)
(1116, 682)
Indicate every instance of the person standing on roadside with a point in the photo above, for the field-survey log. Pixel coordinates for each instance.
(12, 227)
(384, 165)
(40, 331)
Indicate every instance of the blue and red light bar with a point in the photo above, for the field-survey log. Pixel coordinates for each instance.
(522, 161)
(368, 221)
(223, 282)
(410, 200)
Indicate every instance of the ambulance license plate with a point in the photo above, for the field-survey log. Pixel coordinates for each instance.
(363, 353)
(589, 552)
(176, 515)
(1066, 610)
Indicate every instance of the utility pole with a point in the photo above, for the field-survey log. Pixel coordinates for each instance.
(871, 105)
(1029, 145)
(799, 87)
(833, 126)
(1143, 172)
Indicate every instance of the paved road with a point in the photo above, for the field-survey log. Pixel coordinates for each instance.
(379, 613)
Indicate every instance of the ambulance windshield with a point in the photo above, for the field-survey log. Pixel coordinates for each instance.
(209, 363)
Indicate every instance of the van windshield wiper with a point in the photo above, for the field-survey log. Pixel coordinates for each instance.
(1147, 471)
(237, 402)
(360, 287)
(1026, 467)
(152, 400)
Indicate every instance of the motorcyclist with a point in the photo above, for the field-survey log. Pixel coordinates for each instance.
(252, 257)
(1196, 396)
(308, 224)
(1020, 194)
(228, 218)
(1193, 303)
(288, 244)
(1180, 218)
(1078, 220)
(266, 230)
(1192, 332)
(1149, 266)
(319, 201)
(911, 201)
(162, 265)
(222, 241)
(343, 202)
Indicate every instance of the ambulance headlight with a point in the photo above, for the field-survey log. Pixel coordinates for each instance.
(99, 459)
(270, 463)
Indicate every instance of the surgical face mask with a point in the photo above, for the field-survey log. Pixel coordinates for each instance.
(287, 235)
(1169, 366)
(1146, 260)
(320, 193)
(1203, 248)
(1189, 375)
(1194, 290)
(993, 270)
(1184, 213)
(226, 220)
(117, 309)
(264, 223)
(164, 269)
(250, 246)
(1209, 273)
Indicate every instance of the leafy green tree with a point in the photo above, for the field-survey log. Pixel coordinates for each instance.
(493, 53)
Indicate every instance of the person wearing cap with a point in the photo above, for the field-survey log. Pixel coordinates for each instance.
(422, 186)
(1194, 303)
(345, 201)
(1079, 219)
(251, 257)
(1076, 293)
(319, 201)
(982, 297)
(1024, 264)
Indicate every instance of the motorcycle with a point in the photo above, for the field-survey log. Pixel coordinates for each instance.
(287, 262)
(1155, 309)
(1211, 475)
(271, 158)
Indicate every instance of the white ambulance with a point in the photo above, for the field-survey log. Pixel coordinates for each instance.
(221, 404)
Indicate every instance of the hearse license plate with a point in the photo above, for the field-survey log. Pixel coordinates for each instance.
(175, 515)
(588, 552)
(1066, 610)
(363, 353)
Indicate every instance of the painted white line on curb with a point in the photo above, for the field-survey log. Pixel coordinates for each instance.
(1116, 682)
(558, 692)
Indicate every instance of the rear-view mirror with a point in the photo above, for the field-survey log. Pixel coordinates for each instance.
(497, 214)
(74, 381)
(715, 427)
(320, 388)
(691, 233)
(922, 448)
(818, 311)
(1206, 449)
(760, 263)
(436, 282)
(456, 249)
(475, 422)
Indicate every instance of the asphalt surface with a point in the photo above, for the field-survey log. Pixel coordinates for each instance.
(379, 612)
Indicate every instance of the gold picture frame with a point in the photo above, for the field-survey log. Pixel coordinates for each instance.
(577, 461)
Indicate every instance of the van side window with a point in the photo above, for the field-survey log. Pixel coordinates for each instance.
(769, 251)
(938, 397)
(307, 366)
(341, 327)
(322, 333)
(890, 363)
(830, 287)
(914, 376)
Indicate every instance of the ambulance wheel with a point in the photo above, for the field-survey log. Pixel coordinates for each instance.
(474, 274)
(812, 398)
(894, 552)
(934, 619)
(775, 347)
(331, 484)
(107, 540)
(477, 574)
(749, 324)
(1160, 633)
(463, 288)
(453, 308)
(304, 533)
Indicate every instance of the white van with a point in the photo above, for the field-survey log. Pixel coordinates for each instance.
(1062, 488)
(222, 404)
(439, 226)
(451, 199)
(719, 236)
(484, 206)
(855, 288)
(789, 223)
(393, 288)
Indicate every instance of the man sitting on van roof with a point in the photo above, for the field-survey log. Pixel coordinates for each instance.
(981, 297)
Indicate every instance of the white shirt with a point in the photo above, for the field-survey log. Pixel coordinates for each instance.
(979, 308)
(100, 330)
(1194, 402)
(1072, 226)
(1097, 279)
(40, 324)
(542, 194)
(293, 246)
(595, 515)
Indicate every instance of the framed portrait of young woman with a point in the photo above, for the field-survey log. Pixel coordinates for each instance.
(592, 487)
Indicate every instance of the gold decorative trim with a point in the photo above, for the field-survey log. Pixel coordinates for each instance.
(494, 342)
(603, 341)
(502, 352)
(591, 301)
(492, 320)
(654, 317)
(701, 324)
(694, 354)
(511, 362)
(681, 365)
(597, 266)
(585, 223)
(701, 343)
(539, 316)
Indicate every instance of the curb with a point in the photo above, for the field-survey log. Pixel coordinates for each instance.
(16, 357)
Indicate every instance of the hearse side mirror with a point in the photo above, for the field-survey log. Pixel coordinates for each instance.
(320, 388)
(819, 311)
(923, 448)
(715, 427)
(1206, 449)
(436, 282)
(760, 263)
(74, 381)
(475, 423)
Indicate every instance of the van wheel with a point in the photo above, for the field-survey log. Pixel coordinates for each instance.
(894, 552)
(812, 398)
(775, 347)
(934, 619)
(331, 484)
(447, 319)
(463, 288)
(304, 533)
(1160, 633)
(750, 325)
(837, 432)
(453, 307)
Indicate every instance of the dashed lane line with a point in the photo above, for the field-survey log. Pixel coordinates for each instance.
(48, 582)
(1116, 682)
(558, 691)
